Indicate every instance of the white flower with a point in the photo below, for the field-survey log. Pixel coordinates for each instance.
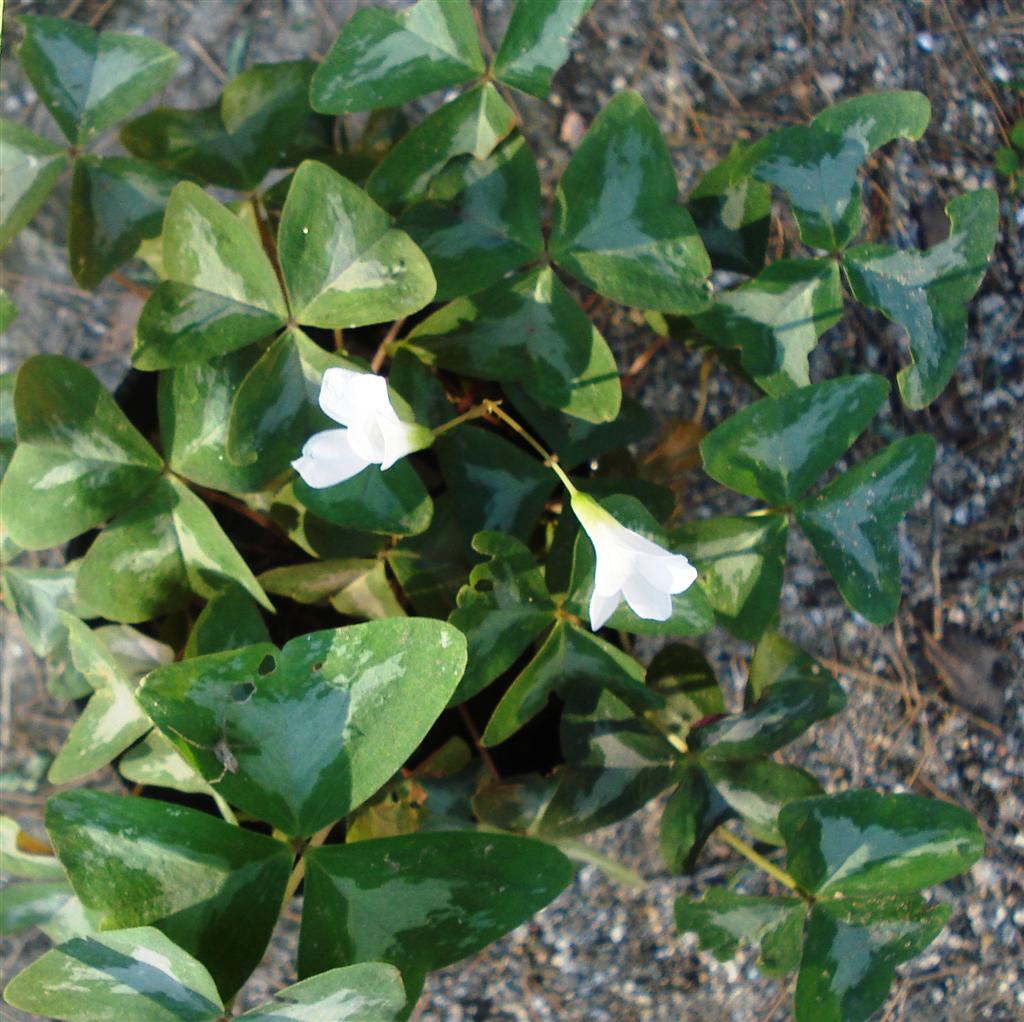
(630, 566)
(374, 434)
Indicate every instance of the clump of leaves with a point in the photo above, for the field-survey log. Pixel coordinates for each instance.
(388, 505)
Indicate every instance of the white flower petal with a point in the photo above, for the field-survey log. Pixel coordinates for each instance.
(348, 397)
(614, 565)
(399, 439)
(602, 607)
(328, 459)
(367, 439)
(646, 600)
(684, 574)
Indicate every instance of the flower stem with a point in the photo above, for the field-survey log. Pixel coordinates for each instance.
(741, 846)
(550, 460)
(299, 870)
(476, 412)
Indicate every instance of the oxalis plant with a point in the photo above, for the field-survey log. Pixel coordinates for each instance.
(361, 528)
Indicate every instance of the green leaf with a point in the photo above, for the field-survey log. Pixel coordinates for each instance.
(528, 330)
(874, 936)
(78, 459)
(8, 314)
(372, 992)
(740, 563)
(37, 596)
(148, 561)
(927, 292)
(214, 889)
(691, 816)
(275, 128)
(757, 789)
(32, 166)
(723, 920)
(480, 220)
(536, 43)
(471, 125)
(344, 264)
(422, 901)
(732, 211)
(115, 204)
(221, 292)
(71, 920)
(154, 761)
(817, 164)
(567, 654)
(381, 59)
(784, 712)
(195, 413)
(1007, 161)
(682, 676)
(90, 80)
(275, 408)
(26, 905)
(619, 225)
(16, 861)
(128, 974)
(497, 487)
(229, 620)
(394, 502)
(357, 587)
(860, 842)
(111, 720)
(501, 611)
(777, 447)
(776, 319)
(778, 660)
(357, 701)
(853, 521)
(691, 613)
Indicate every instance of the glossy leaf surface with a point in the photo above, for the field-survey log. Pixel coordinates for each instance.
(78, 459)
(111, 721)
(740, 563)
(724, 920)
(732, 213)
(381, 59)
(422, 901)
(115, 204)
(356, 701)
(777, 447)
(370, 992)
(927, 292)
(536, 43)
(528, 330)
(221, 292)
(817, 164)
(504, 607)
(344, 265)
(229, 620)
(151, 558)
(480, 219)
(32, 166)
(37, 596)
(776, 319)
(853, 522)
(128, 974)
(89, 80)
(860, 842)
(497, 486)
(393, 503)
(851, 951)
(214, 889)
(31, 904)
(619, 226)
(691, 816)
(471, 125)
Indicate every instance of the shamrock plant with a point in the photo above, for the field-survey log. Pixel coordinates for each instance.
(363, 523)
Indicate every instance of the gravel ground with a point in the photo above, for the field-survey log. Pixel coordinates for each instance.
(934, 701)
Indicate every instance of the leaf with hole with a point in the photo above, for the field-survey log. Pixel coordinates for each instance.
(927, 292)
(356, 701)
